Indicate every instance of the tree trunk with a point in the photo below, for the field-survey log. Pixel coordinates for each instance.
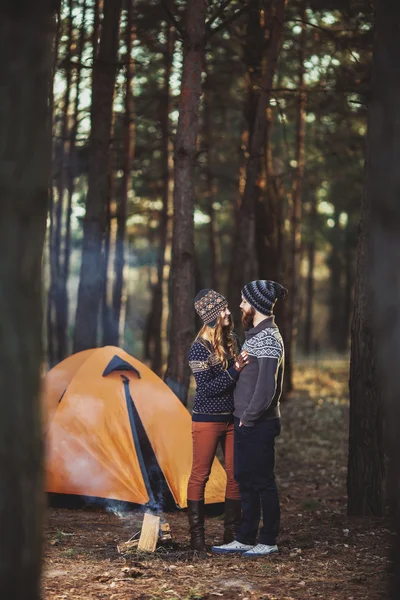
(383, 185)
(164, 256)
(72, 168)
(90, 282)
(290, 325)
(156, 322)
(242, 252)
(64, 145)
(96, 27)
(182, 269)
(25, 74)
(106, 297)
(126, 183)
(254, 52)
(348, 289)
(379, 215)
(209, 147)
(56, 309)
(268, 216)
(366, 460)
(336, 295)
(308, 330)
(50, 318)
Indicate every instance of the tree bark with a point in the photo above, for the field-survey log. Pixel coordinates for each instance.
(336, 292)
(182, 269)
(106, 296)
(269, 220)
(72, 168)
(348, 288)
(90, 282)
(209, 147)
(26, 32)
(366, 460)
(291, 321)
(50, 318)
(365, 478)
(382, 190)
(96, 26)
(157, 320)
(126, 183)
(242, 252)
(308, 329)
(57, 309)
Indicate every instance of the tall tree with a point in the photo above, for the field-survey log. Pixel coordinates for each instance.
(126, 182)
(56, 311)
(383, 197)
(50, 308)
(25, 72)
(72, 172)
(311, 247)
(365, 477)
(156, 320)
(64, 146)
(209, 148)
(242, 254)
(95, 222)
(183, 259)
(290, 325)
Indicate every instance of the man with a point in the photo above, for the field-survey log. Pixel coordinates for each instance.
(257, 422)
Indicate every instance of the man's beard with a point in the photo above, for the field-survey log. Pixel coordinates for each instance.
(248, 318)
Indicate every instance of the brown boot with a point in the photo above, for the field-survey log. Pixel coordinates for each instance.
(196, 525)
(233, 516)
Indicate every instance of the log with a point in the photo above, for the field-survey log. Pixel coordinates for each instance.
(127, 546)
(150, 532)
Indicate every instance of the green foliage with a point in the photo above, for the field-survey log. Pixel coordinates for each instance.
(337, 54)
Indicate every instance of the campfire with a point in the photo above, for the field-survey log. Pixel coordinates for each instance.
(152, 532)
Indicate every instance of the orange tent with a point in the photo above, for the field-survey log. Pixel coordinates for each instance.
(115, 430)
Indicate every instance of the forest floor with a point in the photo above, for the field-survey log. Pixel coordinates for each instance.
(323, 553)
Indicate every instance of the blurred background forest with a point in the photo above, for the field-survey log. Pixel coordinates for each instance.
(273, 150)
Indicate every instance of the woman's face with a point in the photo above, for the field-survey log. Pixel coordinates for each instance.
(225, 317)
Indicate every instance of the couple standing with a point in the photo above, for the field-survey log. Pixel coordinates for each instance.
(237, 404)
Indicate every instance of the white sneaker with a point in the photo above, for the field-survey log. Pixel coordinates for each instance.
(231, 548)
(260, 550)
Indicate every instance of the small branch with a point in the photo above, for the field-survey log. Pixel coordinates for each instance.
(330, 33)
(173, 19)
(226, 23)
(217, 14)
(325, 90)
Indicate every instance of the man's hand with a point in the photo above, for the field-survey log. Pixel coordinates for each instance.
(241, 360)
(240, 424)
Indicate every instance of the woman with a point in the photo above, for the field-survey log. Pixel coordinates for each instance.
(216, 363)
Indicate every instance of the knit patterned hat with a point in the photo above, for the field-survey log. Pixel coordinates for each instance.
(262, 295)
(209, 305)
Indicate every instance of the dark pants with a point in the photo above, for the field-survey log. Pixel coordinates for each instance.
(254, 472)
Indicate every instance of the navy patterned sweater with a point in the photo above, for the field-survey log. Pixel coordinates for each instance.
(213, 400)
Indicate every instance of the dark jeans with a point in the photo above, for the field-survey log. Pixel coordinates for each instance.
(254, 472)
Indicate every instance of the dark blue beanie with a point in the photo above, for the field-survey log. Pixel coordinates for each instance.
(262, 295)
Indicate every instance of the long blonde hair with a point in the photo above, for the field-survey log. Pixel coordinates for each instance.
(222, 340)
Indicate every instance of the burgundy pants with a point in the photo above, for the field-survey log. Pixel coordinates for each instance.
(206, 437)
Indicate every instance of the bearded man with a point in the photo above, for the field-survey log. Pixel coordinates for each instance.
(257, 422)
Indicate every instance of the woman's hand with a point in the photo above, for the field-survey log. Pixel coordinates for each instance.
(241, 360)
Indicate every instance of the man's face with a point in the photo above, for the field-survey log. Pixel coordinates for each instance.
(248, 313)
